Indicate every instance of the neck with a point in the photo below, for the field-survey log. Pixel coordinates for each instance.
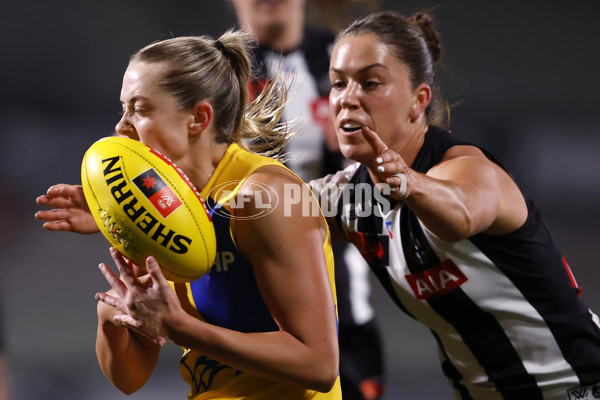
(279, 37)
(204, 156)
(411, 147)
(281, 41)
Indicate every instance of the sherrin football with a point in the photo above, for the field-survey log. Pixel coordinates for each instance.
(145, 205)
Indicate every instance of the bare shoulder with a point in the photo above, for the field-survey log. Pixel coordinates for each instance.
(464, 151)
(285, 191)
(459, 160)
(272, 175)
(275, 201)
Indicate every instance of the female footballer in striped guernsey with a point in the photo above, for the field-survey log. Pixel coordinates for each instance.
(457, 245)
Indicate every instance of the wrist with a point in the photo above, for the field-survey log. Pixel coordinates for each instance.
(174, 326)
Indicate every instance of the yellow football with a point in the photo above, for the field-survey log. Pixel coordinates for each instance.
(145, 205)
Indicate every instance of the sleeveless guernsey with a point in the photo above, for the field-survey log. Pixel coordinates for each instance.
(228, 296)
(505, 310)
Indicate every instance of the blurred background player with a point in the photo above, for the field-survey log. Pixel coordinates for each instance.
(289, 43)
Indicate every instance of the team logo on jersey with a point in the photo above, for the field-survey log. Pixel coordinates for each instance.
(373, 247)
(436, 281)
(388, 225)
(158, 192)
(584, 393)
(204, 371)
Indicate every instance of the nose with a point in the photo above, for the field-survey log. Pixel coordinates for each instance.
(123, 127)
(349, 97)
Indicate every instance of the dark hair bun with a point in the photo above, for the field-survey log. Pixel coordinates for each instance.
(431, 35)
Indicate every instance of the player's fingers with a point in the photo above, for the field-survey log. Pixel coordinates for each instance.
(55, 201)
(57, 193)
(64, 189)
(155, 272)
(130, 322)
(378, 146)
(127, 321)
(57, 226)
(124, 269)
(145, 280)
(113, 280)
(109, 300)
(52, 215)
(59, 201)
(42, 200)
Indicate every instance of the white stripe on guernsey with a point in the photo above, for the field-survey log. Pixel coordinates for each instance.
(493, 292)
(595, 318)
(471, 371)
(360, 290)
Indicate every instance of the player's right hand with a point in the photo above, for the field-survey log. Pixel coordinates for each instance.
(69, 211)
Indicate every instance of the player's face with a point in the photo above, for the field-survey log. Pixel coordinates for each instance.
(371, 87)
(150, 114)
(265, 13)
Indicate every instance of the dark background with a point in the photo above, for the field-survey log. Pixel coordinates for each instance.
(523, 76)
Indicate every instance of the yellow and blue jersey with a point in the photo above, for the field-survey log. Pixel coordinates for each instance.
(228, 296)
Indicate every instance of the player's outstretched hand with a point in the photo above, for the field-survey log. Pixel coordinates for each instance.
(390, 166)
(69, 211)
(145, 305)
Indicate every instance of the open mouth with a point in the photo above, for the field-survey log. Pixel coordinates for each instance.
(351, 127)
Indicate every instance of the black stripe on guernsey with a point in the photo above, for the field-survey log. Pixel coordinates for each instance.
(544, 282)
(451, 372)
(486, 339)
(373, 228)
(386, 281)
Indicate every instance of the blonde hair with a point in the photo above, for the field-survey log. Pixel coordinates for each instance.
(218, 71)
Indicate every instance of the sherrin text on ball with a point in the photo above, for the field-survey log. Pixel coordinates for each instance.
(145, 205)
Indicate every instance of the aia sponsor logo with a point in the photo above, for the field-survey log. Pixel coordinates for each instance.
(436, 281)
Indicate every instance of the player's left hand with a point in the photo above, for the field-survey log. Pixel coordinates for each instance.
(145, 303)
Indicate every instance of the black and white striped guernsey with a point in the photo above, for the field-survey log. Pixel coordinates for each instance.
(505, 310)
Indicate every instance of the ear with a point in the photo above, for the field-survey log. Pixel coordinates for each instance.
(421, 99)
(202, 115)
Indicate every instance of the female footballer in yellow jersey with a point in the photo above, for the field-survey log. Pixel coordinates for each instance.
(262, 324)
(228, 295)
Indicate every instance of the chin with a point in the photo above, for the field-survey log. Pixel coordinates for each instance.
(356, 153)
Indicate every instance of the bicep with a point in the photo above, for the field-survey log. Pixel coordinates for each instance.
(475, 178)
(286, 252)
(488, 193)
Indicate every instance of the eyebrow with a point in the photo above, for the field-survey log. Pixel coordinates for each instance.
(363, 69)
(134, 99)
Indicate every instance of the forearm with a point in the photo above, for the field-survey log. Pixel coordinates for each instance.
(273, 355)
(125, 357)
(443, 207)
